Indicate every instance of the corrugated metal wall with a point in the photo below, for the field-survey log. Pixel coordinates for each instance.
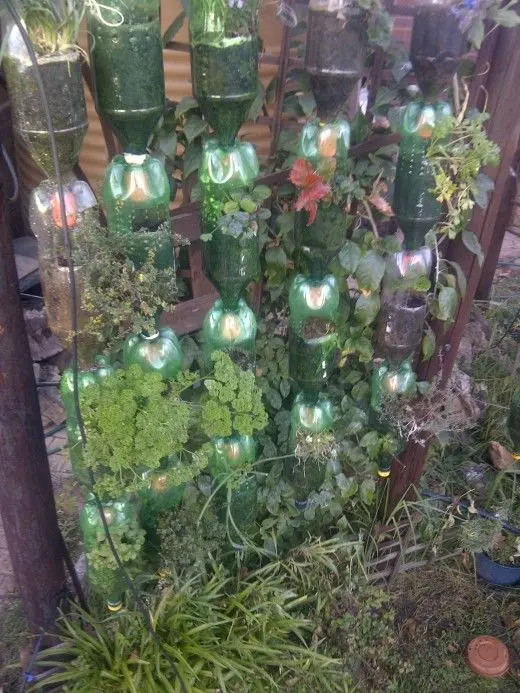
(178, 84)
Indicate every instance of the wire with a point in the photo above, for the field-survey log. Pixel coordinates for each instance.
(74, 325)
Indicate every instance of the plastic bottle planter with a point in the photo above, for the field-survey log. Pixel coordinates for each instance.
(335, 53)
(136, 198)
(120, 515)
(47, 225)
(317, 244)
(223, 170)
(326, 145)
(231, 330)
(126, 57)
(238, 505)
(61, 76)
(416, 209)
(160, 352)
(310, 417)
(224, 62)
(85, 378)
(159, 497)
(437, 45)
(313, 340)
(389, 381)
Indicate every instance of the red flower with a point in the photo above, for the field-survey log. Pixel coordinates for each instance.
(313, 187)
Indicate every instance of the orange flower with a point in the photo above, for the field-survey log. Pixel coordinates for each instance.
(313, 187)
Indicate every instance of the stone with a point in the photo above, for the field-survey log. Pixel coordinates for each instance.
(501, 457)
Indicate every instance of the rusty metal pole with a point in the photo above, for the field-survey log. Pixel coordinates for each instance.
(26, 497)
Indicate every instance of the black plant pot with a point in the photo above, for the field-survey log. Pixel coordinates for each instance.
(496, 573)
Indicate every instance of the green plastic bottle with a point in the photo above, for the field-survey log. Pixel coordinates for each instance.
(416, 209)
(127, 65)
(121, 516)
(231, 330)
(390, 381)
(309, 416)
(313, 339)
(326, 145)
(224, 62)
(136, 199)
(160, 352)
(86, 378)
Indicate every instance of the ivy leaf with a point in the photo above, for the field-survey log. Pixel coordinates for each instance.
(256, 108)
(349, 257)
(367, 308)
(188, 103)
(472, 244)
(356, 421)
(446, 303)
(476, 32)
(348, 486)
(461, 277)
(167, 144)
(371, 443)
(507, 18)
(483, 186)
(370, 271)
(261, 193)
(174, 28)
(367, 491)
(361, 391)
(276, 261)
(192, 158)
(307, 102)
(353, 377)
(194, 127)
(274, 398)
(428, 344)
(285, 387)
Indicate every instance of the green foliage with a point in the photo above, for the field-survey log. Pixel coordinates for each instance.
(233, 403)
(128, 540)
(240, 636)
(133, 420)
(190, 540)
(53, 25)
(119, 298)
(478, 534)
(242, 215)
(458, 150)
(474, 16)
(14, 634)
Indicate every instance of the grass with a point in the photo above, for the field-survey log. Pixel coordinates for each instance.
(13, 638)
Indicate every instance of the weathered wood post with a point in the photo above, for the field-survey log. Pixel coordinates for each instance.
(26, 496)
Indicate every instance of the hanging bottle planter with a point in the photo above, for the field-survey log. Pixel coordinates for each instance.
(126, 57)
(437, 45)
(416, 209)
(336, 46)
(232, 330)
(224, 62)
(105, 577)
(160, 352)
(313, 340)
(86, 378)
(61, 76)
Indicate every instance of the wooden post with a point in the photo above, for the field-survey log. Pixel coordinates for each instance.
(26, 496)
(503, 104)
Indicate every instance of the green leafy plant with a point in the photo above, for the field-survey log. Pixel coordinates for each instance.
(119, 298)
(53, 25)
(221, 633)
(242, 214)
(474, 14)
(233, 401)
(133, 421)
(128, 541)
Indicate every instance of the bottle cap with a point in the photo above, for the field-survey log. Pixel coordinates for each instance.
(114, 606)
(488, 657)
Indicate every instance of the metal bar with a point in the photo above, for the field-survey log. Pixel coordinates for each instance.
(280, 89)
(26, 496)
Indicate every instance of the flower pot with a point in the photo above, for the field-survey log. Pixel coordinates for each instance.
(495, 573)
(224, 63)
(310, 416)
(61, 77)
(157, 353)
(400, 327)
(223, 170)
(317, 244)
(136, 199)
(161, 496)
(86, 378)
(437, 46)
(125, 49)
(48, 227)
(120, 515)
(405, 267)
(416, 209)
(232, 264)
(229, 453)
(335, 52)
(231, 330)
